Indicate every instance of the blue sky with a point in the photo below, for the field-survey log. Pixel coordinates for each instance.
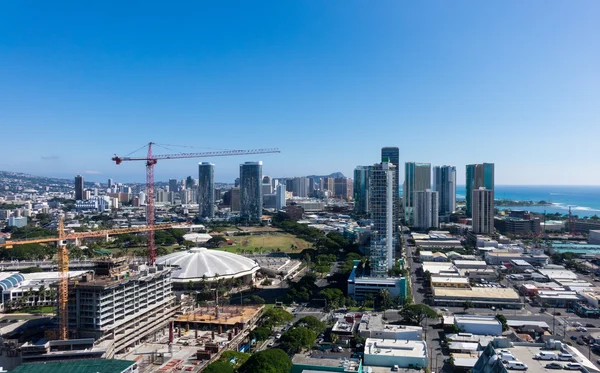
(328, 82)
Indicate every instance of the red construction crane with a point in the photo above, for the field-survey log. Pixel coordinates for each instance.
(151, 160)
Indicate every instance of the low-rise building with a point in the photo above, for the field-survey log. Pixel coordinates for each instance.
(497, 257)
(440, 268)
(373, 326)
(470, 264)
(360, 286)
(594, 238)
(450, 282)
(478, 325)
(557, 298)
(478, 274)
(483, 297)
(391, 352)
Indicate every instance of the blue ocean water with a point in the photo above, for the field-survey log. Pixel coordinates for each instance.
(584, 200)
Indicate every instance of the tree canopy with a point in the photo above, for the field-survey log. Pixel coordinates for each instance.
(273, 360)
(312, 323)
(219, 366)
(261, 334)
(295, 339)
(276, 316)
(416, 313)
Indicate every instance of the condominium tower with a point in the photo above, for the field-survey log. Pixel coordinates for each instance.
(381, 206)
(478, 176)
(361, 189)
(426, 214)
(483, 211)
(444, 182)
(417, 177)
(392, 154)
(206, 190)
(251, 200)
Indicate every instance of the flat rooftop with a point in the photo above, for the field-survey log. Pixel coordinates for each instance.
(483, 320)
(478, 293)
(330, 361)
(450, 279)
(228, 315)
(395, 347)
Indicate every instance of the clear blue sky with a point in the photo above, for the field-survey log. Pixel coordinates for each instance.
(330, 82)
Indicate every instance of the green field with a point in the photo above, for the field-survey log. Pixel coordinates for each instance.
(267, 243)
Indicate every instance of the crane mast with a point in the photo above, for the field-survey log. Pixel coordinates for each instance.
(151, 160)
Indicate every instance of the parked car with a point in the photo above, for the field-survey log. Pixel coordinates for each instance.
(573, 337)
(554, 366)
(581, 329)
(565, 357)
(573, 366)
(545, 355)
(556, 313)
(516, 365)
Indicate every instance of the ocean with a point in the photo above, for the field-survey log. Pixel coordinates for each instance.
(584, 200)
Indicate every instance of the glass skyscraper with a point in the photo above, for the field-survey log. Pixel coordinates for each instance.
(478, 176)
(361, 189)
(392, 154)
(444, 182)
(206, 190)
(251, 198)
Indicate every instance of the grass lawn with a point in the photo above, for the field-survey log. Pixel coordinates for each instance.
(44, 309)
(268, 242)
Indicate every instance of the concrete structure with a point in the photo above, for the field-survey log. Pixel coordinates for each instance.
(361, 190)
(483, 297)
(200, 264)
(444, 182)
(483, 211)
(381, 206)
(509, 225)
(280, 197)
(594, 238)
(373, 326)
(251, 192)
(206, 190)
(390, 352)
(450, 282)
(426, 213)
(235, 199)
(417, 177)
(497, 257)
(478, 176)
(79, 188)
(123, 308)
(18, 222)
(470, 264)
(300, 186)
(343, 187)
(557, 298)
(480, 325)
(359, 286)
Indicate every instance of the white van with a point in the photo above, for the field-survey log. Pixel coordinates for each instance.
(565, 357)
(545, 355)
(516, 365)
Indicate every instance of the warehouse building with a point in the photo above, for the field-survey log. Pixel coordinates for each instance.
(484, 297)
(478, 325)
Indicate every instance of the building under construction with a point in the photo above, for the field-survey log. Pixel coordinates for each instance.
(220, 318)
(122, 308)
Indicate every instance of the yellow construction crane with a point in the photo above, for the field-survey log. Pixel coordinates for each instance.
(63, 261)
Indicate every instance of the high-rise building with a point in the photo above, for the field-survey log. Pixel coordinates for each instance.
(206, 190)
(444, 182)
(79, 188)
(189, 182)
(426, 213)
(392, 154)
(280, 195)
(343, 187)
(251, 191)
(483, 210)
(161, 196)
(478, 176)
(417, 177)
(361, 189)
(381, 206)
(172, 185)
(300, 186)
(110, 183)
(142, 197)
(235, 199)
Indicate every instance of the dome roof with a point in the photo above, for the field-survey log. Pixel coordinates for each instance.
(198, 262)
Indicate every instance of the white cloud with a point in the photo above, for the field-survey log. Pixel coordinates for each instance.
(93, 172)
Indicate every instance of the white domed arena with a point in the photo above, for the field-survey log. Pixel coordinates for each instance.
(200, 265)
